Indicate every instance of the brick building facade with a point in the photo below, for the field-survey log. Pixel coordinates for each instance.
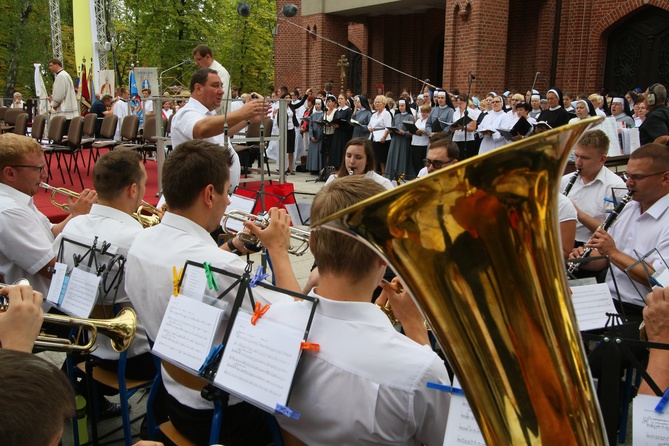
(577, 45)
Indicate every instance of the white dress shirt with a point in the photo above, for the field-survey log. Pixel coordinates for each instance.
(182, 130)
(643, 232)
(590, 197)
(121, 110)
(26, 240)
(380, 123)
(225, 79)
(367, 385)
(149, 285)
(492, 121)
(459, 135)
(120, 229)
(64, 96)
(383, 181)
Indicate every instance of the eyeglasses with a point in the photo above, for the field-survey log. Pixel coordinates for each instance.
(496, 102)
(436, 163)
(640, 176)
(39, 168)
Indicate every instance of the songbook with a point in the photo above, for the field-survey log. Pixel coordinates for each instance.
(340, 121)
(542, 126)
(354, 122)
(461, 123)
(411, 127)
(649, 427)
(436, 126)
(591, 303)
(522, 127)
(461, 427)
(393, 129)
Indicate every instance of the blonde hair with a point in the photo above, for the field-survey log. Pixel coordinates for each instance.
(14, 148)
(381, 98)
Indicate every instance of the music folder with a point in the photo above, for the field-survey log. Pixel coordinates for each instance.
(354, 122)
(393, 129)
(411, 127)
(461, 123)
(522, 127)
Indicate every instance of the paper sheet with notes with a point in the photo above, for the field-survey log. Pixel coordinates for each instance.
(649, 427)
(591, 303)
(259, 361)
(461, 427)
(187, 332)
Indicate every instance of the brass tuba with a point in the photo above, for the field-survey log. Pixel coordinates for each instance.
(477, 245)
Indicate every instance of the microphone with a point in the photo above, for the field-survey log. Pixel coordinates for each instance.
(472, 76)
(535, 80)
(243, 9)
(186, 61)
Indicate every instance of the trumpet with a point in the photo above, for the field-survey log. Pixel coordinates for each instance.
(120, 330)
(59, 190)
(299, 235)
(148, 215)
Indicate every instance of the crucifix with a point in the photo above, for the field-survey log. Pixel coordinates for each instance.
(342, 64)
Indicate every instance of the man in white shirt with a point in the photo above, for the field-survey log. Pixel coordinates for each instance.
(368, 383)
(26, 235)
(198, 120)
(196, 182)
(147, 103)
(594, 184)
(643, 225)
(204, 58)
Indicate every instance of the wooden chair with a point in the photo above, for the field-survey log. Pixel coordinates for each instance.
(37, 129)
(10, 119)
(21, 125)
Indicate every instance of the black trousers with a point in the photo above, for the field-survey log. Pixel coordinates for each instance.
(242, 425)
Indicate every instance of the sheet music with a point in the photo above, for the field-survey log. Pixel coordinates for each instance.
(610, 127)
(57, 281)
(461, 427)
(591, 303)
(81, 294)
(238, 203)
(649, 428)
(187, 331)
(194, 282)
(259, 361)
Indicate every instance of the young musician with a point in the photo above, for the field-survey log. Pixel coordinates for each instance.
(20, 324)
(593, 184)
(368, 383)
(196, 182)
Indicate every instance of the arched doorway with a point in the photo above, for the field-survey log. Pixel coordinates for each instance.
(437, 61)
(354, 70)
(638, 51)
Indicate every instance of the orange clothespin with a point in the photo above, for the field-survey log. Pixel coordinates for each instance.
(310, 346)
(258, 313)
(176, 278)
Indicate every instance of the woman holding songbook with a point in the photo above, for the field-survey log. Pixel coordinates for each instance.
(328, 132)
(522, 124)
(379, 135)
(361, 116)
(343, 131)
(399, 158)
(495, 119)
(315, 134)
(463, 127)
(419, 139)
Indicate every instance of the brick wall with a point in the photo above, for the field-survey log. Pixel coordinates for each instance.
(504, 42)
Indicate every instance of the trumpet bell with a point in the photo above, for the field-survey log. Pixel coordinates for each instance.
(477, 245)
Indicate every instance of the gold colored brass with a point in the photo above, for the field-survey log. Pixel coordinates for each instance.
(477, 245)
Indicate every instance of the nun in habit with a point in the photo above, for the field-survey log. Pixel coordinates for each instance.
(315, 134)
(362, 114)
(399, 154)
(555, 115)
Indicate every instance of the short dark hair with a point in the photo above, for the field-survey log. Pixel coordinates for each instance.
(452, 149)
(659, 153)
(56, 62)
(200, 77)
(202, 50)
(337, 253)
(369, 153)
(33, 389)
(191, 167)
(116, 170)
(146, 89)
(106, 97)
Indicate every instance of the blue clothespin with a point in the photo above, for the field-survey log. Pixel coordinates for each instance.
(445, 388)
(259, 276)
(664, 401)
(213, 354)
(290, 413)
(211, 280)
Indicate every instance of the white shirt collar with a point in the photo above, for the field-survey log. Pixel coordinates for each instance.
(16, 194)
(554, 108)
(187, 225)
(364, 312)
(110, 212)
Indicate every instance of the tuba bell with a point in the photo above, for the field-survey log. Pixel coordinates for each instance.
(477, 245)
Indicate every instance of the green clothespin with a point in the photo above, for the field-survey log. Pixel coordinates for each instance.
(211, 280)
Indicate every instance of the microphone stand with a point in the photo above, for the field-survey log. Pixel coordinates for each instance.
(466, 114)
(533, 83)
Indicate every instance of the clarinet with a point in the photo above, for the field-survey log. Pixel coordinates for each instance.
(569, 185)
(605, 226)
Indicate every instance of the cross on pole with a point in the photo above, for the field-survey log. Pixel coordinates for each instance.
(342, 64)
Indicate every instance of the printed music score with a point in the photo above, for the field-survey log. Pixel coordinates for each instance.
(57, 281)
(591, 303)
(461, 427)
(187, 331)
(259, 361)
(194, 283)
(649, 427)
(81, 293)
